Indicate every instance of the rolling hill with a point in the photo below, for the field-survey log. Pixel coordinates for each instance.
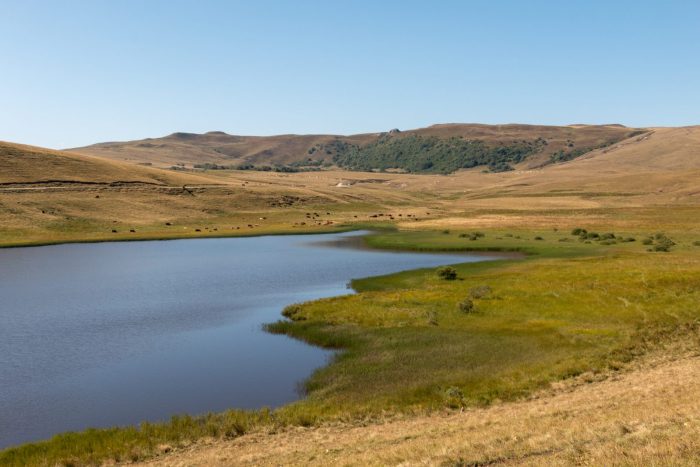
(53, 196)
(21, 164)
(442, 148)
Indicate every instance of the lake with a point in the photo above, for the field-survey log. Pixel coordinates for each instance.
(108, 334)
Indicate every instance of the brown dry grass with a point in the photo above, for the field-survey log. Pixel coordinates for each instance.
(631, 183)
(224, 149)
(649, 415)
(28, 164)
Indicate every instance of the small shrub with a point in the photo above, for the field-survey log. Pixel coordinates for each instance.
(696, 243)
(473, 236)
(664, 244)
(466, 306)
(446, 232)
(630, 239)
(578, 231)
(592, 235)
(607, 236)
(647, 241)
(661, 242)
(447, 273)
(454, 397)
(481, 291)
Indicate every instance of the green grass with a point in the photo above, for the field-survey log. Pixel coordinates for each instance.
(93, 446)
(522, 241)
(546, 319)
(565, 309)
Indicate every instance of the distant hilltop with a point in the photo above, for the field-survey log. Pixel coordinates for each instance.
(441, 148)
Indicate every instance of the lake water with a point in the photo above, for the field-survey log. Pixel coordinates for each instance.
(115, 333)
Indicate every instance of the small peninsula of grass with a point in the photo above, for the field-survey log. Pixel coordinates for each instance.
(565, 310)
(415, 342)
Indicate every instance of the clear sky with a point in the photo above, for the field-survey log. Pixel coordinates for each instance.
(78, 72)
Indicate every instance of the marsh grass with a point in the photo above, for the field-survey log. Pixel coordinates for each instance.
(130, 444)
(552, 320)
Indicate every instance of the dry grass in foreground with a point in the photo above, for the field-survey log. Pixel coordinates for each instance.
(647, 416)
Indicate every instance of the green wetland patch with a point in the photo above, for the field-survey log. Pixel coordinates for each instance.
(428, 340)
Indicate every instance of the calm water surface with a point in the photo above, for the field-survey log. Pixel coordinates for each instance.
(115, 333)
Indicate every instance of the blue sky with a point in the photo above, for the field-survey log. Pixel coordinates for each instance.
(78, 72)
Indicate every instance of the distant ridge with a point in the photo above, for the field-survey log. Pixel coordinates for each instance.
(423, 150)
(30, 164)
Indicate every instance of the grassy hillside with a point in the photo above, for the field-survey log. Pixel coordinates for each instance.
(29, 164)
(189, 149)
(438, 149)
(627, 180)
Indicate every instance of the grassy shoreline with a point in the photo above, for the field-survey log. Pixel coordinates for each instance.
(274, 232)
(568, 308)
